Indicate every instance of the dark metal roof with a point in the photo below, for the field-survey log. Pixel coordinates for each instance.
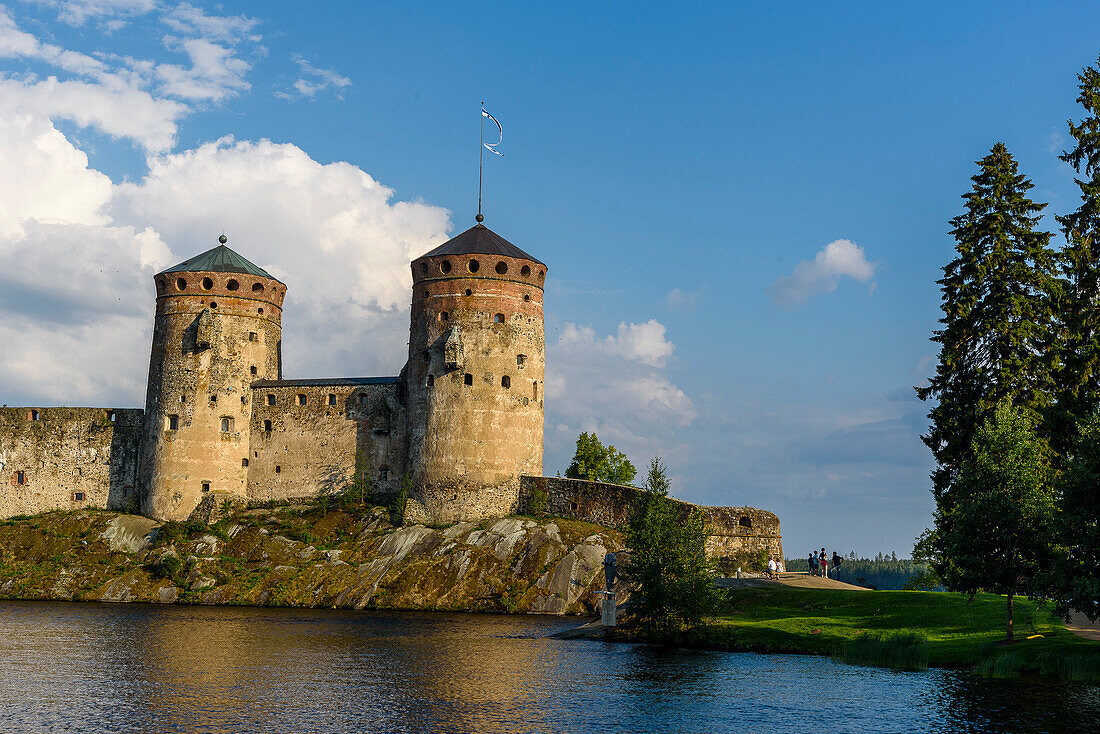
(327, 381)
(220, 260)
(480, 240)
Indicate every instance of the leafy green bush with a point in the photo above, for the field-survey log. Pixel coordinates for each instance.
(166, 567)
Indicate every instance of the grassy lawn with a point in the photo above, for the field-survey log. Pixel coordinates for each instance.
(821, 621)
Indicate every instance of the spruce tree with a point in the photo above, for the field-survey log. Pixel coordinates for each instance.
(1078, 379)
(997, 300)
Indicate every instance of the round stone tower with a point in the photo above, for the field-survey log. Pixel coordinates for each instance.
(475, 375)
(217, 330)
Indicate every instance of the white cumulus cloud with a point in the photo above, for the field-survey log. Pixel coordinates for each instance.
(809, 278)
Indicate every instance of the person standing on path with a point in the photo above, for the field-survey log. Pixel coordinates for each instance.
(824, 562)
(811, 564)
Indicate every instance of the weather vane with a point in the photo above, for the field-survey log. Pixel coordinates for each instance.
(492, 148)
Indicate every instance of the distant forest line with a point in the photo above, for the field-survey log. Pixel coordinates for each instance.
(881, 572)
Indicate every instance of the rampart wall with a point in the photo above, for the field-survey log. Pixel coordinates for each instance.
(732, 530)
(308, 435)
(68, 458)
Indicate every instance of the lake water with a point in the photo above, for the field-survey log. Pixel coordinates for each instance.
(138, 668)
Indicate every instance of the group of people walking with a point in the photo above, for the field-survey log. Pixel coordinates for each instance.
(820, 563)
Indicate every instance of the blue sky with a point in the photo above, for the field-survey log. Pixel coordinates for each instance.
(744, 207)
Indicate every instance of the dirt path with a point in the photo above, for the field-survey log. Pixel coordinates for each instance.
(1080, 625)
(798, 580)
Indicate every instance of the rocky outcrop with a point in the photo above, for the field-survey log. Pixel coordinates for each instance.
(308, 557)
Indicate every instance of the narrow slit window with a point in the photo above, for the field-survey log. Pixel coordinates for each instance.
(267, 426)
(431, 380)
(535, 389)
(468, 379)
(270, 399)
(20, 478)
(331, 399)
(111, 416)
(521, 360)
(506, 382)
(244, 462)
(252, 369)
(278, 469)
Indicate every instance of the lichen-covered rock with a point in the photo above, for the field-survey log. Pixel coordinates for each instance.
(303, 556)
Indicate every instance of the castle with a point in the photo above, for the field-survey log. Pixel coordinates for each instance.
(461, 425)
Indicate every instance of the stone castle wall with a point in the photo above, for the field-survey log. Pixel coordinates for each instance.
(306, 436)
(732, 530)
(68, 458)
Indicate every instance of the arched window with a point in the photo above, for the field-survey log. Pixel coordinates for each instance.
(506, 382)
(267, 426)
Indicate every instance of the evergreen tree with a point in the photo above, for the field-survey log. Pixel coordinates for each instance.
(667, 560)
(1079, 576)
(997, 300)
(1078, 380)
(997, 535)
(598, 463)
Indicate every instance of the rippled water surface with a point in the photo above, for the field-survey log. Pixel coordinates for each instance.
(136, 668)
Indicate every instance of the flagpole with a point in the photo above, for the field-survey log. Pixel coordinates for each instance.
(481, 164)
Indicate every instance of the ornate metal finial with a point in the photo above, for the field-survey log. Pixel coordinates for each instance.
(479, 218)
(223, 239)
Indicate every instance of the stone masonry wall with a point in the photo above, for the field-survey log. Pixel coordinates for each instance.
(732, 529)
(306, 435)
(67, 458)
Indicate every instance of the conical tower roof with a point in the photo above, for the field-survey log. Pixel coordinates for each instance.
(480, 240)
(220, 260)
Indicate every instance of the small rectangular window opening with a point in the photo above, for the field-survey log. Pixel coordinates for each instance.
(535, 389)
(78, 496)
(506, 382)
(267, 426)
(32, 415)
(111, 416)
(253, 336)
(301, 399)
(270, 399)
(362, 399)
(252, 369)
(206, 486)
(20, 478)
(213, 398)
(244, 462)
(278, 469)
(521, 359)
(468, 379)
(173, 422)
(383, 474)
(227, 425)
(331, 399)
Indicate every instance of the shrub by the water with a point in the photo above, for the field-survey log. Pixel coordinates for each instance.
(1003, 665)
(1072, 667)
(900, 652)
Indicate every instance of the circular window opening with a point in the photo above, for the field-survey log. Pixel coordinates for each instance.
(474, 266)
(525, 270)
(257, 287)
(259, 310)
(445, 267)
(213, 304)
(207, 284)
(424, 268)
(526, 297)
(180, 284)
(232, 285)
(469, 292)
(502, 267)
(498, 319)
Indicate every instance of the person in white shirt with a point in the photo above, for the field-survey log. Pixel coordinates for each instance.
(771, 568)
